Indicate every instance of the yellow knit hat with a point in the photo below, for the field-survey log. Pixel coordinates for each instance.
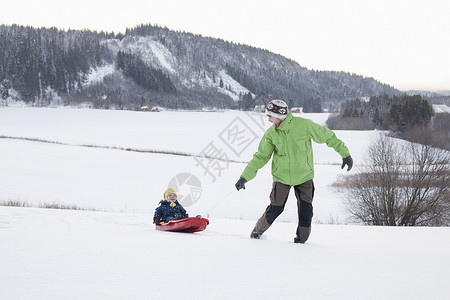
(169, 191)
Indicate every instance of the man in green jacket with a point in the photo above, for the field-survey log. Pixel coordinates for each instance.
(289, 140)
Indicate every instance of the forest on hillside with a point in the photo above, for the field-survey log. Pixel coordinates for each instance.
(408, 117)
(153, 65)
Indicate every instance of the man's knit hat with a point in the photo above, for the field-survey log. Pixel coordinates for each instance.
(277, 109)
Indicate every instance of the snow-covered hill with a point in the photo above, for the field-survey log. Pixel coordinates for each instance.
(54, 254)
(102, 159)
(161, 67)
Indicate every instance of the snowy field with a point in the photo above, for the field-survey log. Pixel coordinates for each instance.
(102, 160)
(116, 180)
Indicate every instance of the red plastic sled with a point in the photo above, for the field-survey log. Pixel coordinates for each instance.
(193, 224)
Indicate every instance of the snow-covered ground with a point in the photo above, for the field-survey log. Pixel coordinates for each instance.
(116, 253)
(441, 108)
(127, 181)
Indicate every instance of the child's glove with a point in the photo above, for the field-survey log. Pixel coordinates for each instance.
(178, 216)
(156, 221)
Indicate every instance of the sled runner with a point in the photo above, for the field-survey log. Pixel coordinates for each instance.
(194, 224)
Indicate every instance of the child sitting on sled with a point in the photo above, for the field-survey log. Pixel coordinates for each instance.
(169, 209)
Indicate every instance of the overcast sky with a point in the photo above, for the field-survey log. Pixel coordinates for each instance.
(404, 43)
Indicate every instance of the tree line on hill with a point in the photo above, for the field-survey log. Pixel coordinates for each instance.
(147, 77)
(408, 117)
(34, 61)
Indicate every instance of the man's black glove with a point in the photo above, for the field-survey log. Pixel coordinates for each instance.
(347, 161)
(156, 221)
(240, 184)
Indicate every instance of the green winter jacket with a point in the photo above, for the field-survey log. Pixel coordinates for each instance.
(290, 144)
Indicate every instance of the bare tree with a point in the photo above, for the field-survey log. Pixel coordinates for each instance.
(405, 185)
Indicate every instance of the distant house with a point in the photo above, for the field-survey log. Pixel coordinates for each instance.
(145, 108)
(297, 110)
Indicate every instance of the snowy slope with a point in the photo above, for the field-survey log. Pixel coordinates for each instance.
(88, 177)
(157, 55)
(115, 253)
(54, 254)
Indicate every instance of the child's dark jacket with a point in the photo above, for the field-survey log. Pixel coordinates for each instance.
(166, 213)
